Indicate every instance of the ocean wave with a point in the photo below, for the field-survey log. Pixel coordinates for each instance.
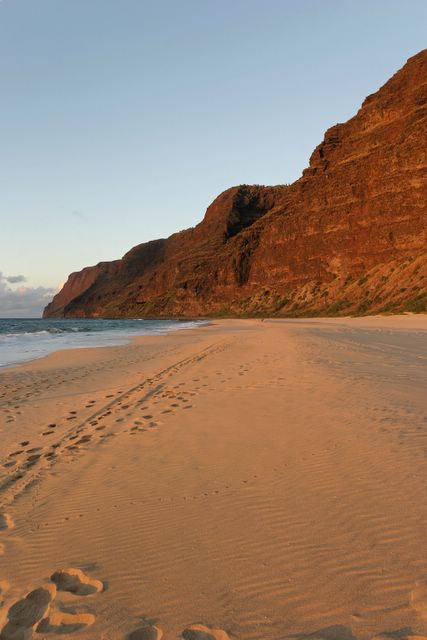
(44, 332)
(51, 331)
(27, 339)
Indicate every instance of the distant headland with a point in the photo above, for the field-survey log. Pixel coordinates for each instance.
(348, 237)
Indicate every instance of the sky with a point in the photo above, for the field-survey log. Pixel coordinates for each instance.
(121, 120)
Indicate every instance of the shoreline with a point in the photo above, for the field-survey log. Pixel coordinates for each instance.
(406, 321)
(266, 478)
(113, 341)
(57, 357)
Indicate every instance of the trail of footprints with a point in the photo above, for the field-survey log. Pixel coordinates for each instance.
(24, 465)
(96, 426)
(36, 612)
(27, 385)
(140, 409)
(125, 409)
(39, 612)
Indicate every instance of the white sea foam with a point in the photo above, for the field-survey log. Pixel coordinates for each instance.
(23, 340)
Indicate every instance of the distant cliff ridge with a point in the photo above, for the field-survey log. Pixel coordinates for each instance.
(348, 237)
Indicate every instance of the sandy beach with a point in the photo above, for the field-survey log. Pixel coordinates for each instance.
(264, 478)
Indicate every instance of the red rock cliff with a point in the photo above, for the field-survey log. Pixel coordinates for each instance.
(348, 236)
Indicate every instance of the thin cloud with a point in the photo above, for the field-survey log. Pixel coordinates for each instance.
(22, 302)
(79, 215)
(15, 279)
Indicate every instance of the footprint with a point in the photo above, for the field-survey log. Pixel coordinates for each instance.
(61, 622)
(12, 632)
(6, 522)
(75, 581)
(200, 632)
(148, 632)
(26, 613)
(34, 457)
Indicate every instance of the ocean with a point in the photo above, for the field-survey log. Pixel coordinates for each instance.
(30, 338)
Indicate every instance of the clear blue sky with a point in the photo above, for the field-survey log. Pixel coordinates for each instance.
(121, 120)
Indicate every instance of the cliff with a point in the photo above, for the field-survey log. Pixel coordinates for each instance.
(348, 237)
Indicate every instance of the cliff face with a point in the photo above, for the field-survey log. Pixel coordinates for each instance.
(348, 236)
(77, 283)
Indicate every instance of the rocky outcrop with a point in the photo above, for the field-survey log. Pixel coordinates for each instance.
(348, 237)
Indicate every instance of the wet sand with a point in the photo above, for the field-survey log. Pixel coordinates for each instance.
(267, 479)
